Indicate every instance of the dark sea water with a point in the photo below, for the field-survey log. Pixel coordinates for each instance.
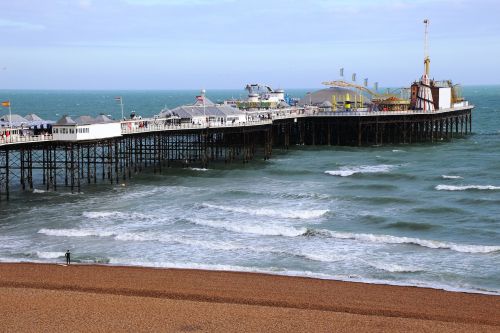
(423, 214)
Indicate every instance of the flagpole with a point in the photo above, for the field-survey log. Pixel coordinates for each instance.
(10, 118)
(121, 105)
(204, 114)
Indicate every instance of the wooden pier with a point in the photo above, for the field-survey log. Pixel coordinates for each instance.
(51, 165)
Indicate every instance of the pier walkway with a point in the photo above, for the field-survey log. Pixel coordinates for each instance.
(161, 124)
(29, 162)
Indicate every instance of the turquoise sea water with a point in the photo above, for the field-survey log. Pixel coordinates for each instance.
(425, 214)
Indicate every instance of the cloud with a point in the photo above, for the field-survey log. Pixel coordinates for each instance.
(19, 25)
(175, 2)
(354, 7)
(85, 4)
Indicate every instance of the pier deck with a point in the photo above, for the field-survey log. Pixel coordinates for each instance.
(29, 161)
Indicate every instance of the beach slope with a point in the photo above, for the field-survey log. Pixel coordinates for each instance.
(83, 298)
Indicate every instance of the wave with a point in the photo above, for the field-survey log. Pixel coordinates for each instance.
(97, 215)
(388, 239)
(136, 237)
(121, 236)
(384, 200)
(451, 177)
(318, 196)
(115, 214)
(224, 267)
(411, 226)
(93, 260)
(438, 210)
(37, 191)
(289, 214)
(479, 201)
(267, 230)
(275, 230)
(290, 172)
(49, 255)
(141, 237)
(199, 169)
(75, 233)
(321, 257)
(279, 194)
(168, 238)
(369, 218)
(394, 268)
(398, 151)
(349, 171)
(13, 242)
(467, 188)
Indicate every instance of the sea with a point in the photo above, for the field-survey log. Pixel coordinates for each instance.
(423, 215)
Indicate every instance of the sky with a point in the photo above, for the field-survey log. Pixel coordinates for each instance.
(225, 44)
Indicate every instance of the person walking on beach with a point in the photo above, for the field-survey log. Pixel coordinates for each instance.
(68, 257)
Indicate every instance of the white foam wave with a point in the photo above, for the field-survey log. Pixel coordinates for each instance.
(37, 191)
(143, 237)
(322, 257)
(218, 246)
(267, 230)
(433, 244)
(12, 242)
(135, 237)
(75, 233)
(49, 255)
(115, 214)
(182, 265)
(398, 151)
(97, 215)
(199, 169)
(394, 268)
(290, 214)
(451, 177)
(467, 187)
(349, 171)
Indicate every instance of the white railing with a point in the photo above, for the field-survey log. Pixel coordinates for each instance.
(12, 139)
(157, 125)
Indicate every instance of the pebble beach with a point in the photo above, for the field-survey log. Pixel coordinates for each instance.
(100, 298)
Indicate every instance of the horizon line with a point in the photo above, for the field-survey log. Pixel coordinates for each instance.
(196, 89)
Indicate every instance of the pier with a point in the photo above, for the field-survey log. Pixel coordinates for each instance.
(41, 162)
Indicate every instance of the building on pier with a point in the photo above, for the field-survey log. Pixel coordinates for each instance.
(204, 112)
(16, 125)
(85, 128)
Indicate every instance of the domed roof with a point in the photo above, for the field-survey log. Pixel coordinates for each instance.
(325, 95)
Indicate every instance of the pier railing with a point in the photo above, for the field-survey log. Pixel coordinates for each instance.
(14, 139)
(260, 118)
(385, 113)
(160, 125)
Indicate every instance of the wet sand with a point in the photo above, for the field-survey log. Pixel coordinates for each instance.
(83, 298)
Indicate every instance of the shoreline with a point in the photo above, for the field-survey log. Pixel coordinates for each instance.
(313, 275)
(354, 303)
